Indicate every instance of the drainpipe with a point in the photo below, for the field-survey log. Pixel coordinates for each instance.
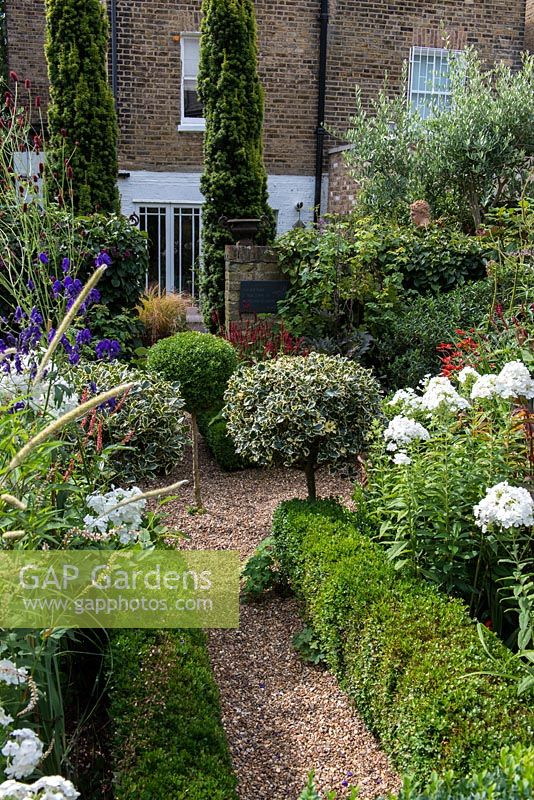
(113, 19)
(320, 132)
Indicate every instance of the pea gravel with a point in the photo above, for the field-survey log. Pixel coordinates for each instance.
(282, 717)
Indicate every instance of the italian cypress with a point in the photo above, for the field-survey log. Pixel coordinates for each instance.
(81, 116)
(234, 182)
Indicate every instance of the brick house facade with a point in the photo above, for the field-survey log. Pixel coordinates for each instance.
(161, 157)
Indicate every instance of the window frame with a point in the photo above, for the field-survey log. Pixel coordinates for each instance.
(188, 123)
(425, 94)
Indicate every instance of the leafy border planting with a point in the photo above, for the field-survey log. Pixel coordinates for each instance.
(168, 741)
(409, 656)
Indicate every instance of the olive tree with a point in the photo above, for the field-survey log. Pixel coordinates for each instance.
(471, 154)
(201, 364)
(302, 411)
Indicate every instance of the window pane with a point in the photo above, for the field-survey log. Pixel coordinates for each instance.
(192, 104)
(186, 249)
(191, 53)
(430, 81)
(153, 221)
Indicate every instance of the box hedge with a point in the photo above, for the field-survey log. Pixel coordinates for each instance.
(410, 657)
(167, 737)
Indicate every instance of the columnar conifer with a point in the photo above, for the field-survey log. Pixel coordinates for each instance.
(234, 182)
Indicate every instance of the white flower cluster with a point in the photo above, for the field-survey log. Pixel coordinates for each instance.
(506, 507)
(11, 674)
(466, 374)
(401, 459)
(52, 787)
(51, 393)
(128, 517)
(440, 394)
(407, 399)
(514, 380)
(5, 719)
(24, 750)
(403, 430)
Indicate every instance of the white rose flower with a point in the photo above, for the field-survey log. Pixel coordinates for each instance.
(506, 507)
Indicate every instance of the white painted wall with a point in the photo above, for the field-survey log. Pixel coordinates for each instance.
(184, 188)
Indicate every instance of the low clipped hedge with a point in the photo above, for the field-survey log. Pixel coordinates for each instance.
(410, 657)
(168, 741)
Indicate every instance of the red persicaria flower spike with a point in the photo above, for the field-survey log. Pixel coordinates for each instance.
(13, 76)
(27, 84)
(38, 102)
(63, 132)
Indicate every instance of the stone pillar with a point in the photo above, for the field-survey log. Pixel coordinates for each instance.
(246, 263)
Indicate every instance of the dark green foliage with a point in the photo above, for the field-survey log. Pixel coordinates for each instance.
(406, 335)
(339, 275)
(234, 182)
(260, 574)
(408, 655)
(124, 281)
(222, 446)
(81, 115)
(512, 778)
(167, 736)
(200, 362)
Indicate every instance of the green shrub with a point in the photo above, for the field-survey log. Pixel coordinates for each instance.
(512, 778)
(301, 411)
(202, 365)
(150, 421)
(410, 657)
(167, 736)
(222, 447)
(124, 281)
(406, 335)
(200, 362)
(336, 272)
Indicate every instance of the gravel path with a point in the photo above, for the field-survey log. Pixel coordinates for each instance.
(282, 717)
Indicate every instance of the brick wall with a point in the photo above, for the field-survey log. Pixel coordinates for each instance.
(342, 189)
(25, 27)
(529, 26)
(246, 263)
(365, 40)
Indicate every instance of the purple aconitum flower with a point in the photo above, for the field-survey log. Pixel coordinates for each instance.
(19, 315)
(93, 297)
(57, 288)
(107, 349)
(43, 258)
(17, 407)
(83, 337)
(36, 317)
(65, 265)
(30, 284)
(102, 258)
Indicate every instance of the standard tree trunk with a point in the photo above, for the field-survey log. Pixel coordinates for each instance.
(310, 479)
(309, 469)
(196, 469)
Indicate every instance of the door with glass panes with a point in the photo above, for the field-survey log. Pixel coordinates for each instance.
(173, 245)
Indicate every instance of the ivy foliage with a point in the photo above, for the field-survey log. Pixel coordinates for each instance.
(81, 115)
(234, 182)
(301, 412)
